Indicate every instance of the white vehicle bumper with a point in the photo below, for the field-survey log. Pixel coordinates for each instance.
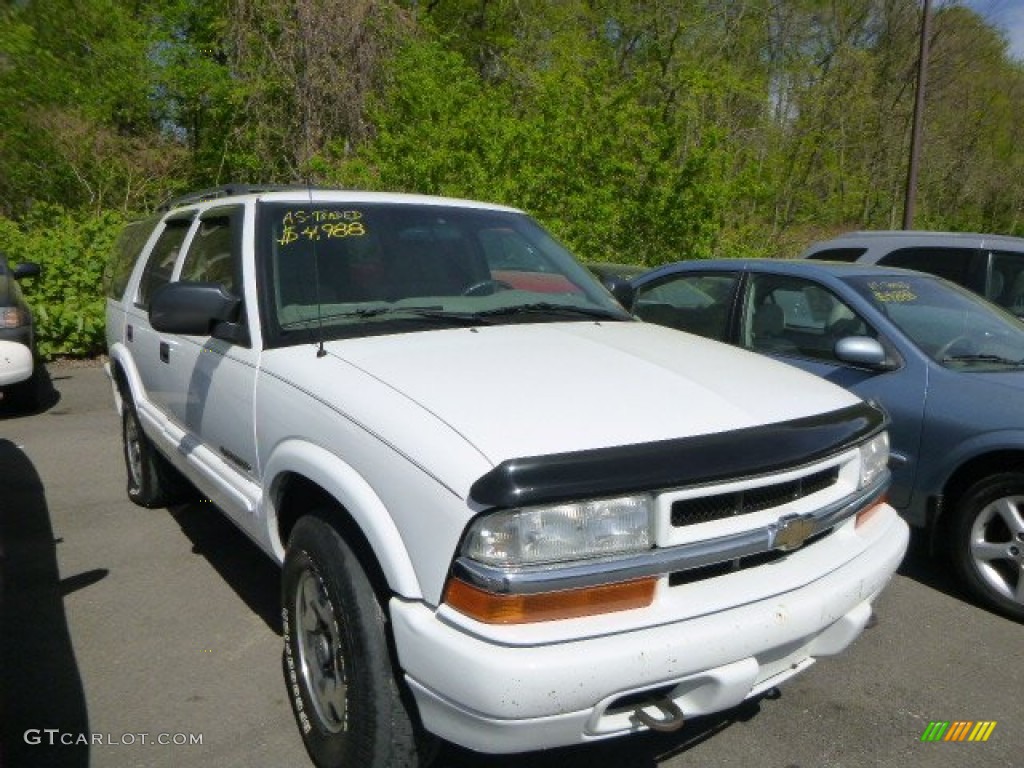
(501, 698)
(15, 363)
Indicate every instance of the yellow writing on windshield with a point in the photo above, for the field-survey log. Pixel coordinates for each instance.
(892, 292)
(310, 225)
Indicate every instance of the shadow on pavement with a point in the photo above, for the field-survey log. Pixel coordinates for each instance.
(49, 396)
(40, 686)
(930, 569)
(244, 567)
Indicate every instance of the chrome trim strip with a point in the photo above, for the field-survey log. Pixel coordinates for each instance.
(658, 562)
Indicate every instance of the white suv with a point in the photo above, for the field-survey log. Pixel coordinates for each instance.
(508, 514)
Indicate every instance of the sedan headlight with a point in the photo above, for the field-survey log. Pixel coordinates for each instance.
(561, 532)
(874, 459)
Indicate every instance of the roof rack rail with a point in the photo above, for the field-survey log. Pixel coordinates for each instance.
(227, 190)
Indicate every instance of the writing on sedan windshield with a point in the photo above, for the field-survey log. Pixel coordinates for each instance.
(892, 292)
(299, 225)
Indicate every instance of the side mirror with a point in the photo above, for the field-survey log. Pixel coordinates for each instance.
(622, 290)
(195, 309)
(26, 269)
(863, 351)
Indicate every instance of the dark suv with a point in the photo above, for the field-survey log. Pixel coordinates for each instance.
(990, 265)
(18, 371)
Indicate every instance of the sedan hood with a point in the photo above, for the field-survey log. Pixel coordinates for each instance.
(528, 390)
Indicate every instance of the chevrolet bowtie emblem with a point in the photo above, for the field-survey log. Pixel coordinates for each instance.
(792, 532)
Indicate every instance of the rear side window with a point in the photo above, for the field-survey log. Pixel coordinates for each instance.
(838, 254)
(956, 264)
(1006, 281)
(161, 260)
(126, 252)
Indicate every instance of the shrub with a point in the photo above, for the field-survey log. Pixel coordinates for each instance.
(72, 249)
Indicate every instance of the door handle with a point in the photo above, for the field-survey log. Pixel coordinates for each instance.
(165, 352)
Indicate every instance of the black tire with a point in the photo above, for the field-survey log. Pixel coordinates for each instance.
(987, 542)
(337, 664)
(152, 481)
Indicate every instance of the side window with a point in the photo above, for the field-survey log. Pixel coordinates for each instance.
(1006, 281)
(838, 254)
(791, 315)
(694, 302)
(160, 264)
(126, 252)
(956, 264)
(209, 258)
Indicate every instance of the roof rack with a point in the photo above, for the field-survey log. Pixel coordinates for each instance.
(228, 190)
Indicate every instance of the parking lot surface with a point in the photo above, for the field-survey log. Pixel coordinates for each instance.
(132, 637)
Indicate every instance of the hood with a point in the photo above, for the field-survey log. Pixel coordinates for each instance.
(528, 390)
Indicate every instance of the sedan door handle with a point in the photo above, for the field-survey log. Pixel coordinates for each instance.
(165, 352)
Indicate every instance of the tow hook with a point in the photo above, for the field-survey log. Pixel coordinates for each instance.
(673, 716)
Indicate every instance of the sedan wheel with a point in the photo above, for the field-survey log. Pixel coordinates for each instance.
(988, 542)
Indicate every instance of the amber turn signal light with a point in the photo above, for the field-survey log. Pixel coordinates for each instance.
(868, 512)
(492, 608)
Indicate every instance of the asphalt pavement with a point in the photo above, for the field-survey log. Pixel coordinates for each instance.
(133, 637)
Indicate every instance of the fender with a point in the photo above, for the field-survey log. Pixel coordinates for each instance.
(121, 357)
(989, 442)
(348, 487)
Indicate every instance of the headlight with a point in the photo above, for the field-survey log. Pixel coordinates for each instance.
(561, 532)
(874, 458)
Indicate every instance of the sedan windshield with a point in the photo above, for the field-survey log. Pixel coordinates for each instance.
(954, 327)
(356, 269)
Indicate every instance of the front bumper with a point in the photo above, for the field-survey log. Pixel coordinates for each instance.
(16, 363)
(499, 697)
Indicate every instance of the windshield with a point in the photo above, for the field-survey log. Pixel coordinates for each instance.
(951, 325)
(353, 269)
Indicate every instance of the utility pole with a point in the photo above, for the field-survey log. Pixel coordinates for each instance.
(915, 136)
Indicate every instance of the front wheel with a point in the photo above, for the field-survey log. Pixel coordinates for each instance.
(987, 544)
(337, 664)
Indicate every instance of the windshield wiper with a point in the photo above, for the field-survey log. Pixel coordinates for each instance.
(396, 313)
(982, 359)
(548, 308)
(436, 313)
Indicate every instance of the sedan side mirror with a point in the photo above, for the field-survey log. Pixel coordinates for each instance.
(622, 290)
(862, 351)
(196, 309)
(26, 269)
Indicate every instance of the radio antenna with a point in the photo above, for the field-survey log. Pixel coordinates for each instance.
(306, 130)
(320, 351)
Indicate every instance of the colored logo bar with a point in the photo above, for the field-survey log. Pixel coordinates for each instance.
(958, 730)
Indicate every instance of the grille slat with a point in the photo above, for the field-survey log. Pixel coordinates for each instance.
(707, 509)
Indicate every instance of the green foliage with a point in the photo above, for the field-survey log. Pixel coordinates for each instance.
(643, 132)
(72, 249)
(572, 143)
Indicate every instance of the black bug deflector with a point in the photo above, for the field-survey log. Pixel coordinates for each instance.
(675, 463)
